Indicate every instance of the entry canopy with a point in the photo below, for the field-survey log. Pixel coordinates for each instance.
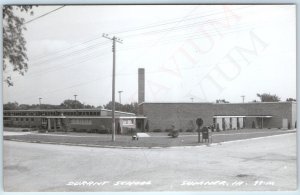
(243, 116)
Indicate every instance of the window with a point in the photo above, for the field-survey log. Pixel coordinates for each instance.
(27, 119)
(17, 119)
(81, 121)
(21, 119)
(32, 119)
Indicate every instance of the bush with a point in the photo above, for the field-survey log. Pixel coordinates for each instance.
(174, 133)
(218, 128)
(102, 131)
(253, 125)
(189, 130)
(42, 130)
(92, 130)
(157, 130)
(180, 130)
(168, 130)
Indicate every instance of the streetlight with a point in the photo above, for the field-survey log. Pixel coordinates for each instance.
(243, 98)
(75, 101)
(40, 101)
(120, 96)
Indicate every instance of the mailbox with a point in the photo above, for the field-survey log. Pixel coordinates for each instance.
(205, 133)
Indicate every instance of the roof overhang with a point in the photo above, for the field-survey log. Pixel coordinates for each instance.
(244, 116)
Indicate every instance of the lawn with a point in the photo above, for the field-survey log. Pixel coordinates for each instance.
(155, 139)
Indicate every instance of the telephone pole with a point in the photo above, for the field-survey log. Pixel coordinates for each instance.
(120, 96)
(114, 40)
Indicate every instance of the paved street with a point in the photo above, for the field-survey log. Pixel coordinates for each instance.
(267, 163)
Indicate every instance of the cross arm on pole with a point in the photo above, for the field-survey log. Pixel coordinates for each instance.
(112, 38)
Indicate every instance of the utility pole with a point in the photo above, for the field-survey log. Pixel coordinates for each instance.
(120, 96)
(114, 39)
(40, 102)
(243, 98)
(75, 101)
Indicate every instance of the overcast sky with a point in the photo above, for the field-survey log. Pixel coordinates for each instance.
(196, 51)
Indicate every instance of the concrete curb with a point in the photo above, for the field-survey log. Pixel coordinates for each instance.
(155, 147)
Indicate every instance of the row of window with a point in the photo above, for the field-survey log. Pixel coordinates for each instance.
(81, 121)
(18, 119)
(88, 113)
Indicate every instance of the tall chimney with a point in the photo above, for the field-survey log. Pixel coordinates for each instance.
(141, 89)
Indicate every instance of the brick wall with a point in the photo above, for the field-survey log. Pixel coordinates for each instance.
(182, 115)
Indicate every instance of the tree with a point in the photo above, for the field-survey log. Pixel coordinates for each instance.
(11, 106)
(71, 104)
(221, 101)
(291, 100)
(14, 43)
(132, 107)
(266, 97)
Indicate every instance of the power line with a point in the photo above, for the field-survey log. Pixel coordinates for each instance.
(140, 28)
(44, 14)
(54, 58)
(176, 21)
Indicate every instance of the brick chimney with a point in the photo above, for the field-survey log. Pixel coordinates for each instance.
(141, 88)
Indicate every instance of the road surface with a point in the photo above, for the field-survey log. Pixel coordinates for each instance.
(267, 163)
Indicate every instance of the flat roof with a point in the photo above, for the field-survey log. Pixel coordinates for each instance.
(217, 103)
(243, 116)
(69, 109)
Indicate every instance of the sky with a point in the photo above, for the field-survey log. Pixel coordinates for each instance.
(196, 53)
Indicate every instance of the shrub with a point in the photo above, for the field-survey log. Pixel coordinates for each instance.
(180, 130)
(168, 130)
(42, 130)
(147, 126)
(92, 130)
(253, 125)
(102, 131)
(157, 130)
(218, 128)
(189, 130)
(174, 133)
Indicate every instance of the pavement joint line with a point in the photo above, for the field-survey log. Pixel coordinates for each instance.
(254, 138)
(143, 147)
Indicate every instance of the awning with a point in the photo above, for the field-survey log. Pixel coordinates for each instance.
(243, 116)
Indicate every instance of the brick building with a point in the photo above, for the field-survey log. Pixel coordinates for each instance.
(81, 120)
(162, 115)
(225, 115)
